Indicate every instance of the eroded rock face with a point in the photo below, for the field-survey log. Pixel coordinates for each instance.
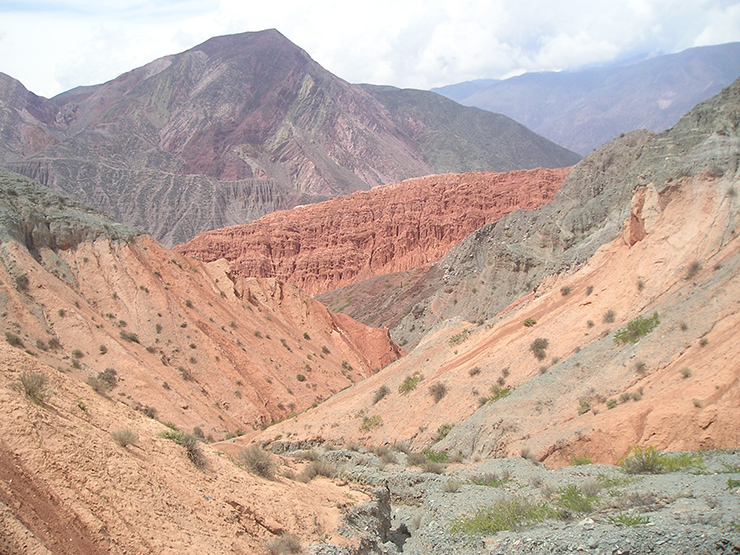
(388, 229)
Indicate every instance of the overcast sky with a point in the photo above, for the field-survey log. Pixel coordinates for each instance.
(54, 45)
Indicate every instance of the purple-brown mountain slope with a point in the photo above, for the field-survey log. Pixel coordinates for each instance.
(232, 129)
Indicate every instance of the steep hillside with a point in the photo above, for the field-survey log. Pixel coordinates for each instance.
(232, 129)
(387, 229)
(68, 487)
(189, 342)
(653, 230)
(581, 110)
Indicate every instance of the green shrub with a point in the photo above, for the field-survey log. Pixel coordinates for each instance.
(584, 405)
(258, 462)
(539, 347)
(189, 442)
(371, 423)
(529, 322)
(458, 338)
(442, 431)
(574, 500)
(685, 372)
(435, 456)
(505, 514)
(498, 392)
(125, 437)
(380, 393)
(300, 377)
(611, 403)
(129, 336)
(636, 329)
(410, 383)
(581, 460)
(104, 381)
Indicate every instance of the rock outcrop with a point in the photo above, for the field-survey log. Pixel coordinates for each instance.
(387, 229)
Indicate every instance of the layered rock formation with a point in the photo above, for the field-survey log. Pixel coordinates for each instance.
(616, 306)
(387, 229)
(237, 127)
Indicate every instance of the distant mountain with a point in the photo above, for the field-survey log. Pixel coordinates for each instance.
(237, 127)
(581, 110)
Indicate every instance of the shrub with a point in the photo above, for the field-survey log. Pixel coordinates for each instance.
(410, 383)
(300, 377)
(186, 374)
(34, 385)
(104, 381)
(306, 336)
(505, 514)
(317, 468)
(433, 467)
(189, 303)
(125, 437)
(346, 365)
(641, 460)
(189, 442)
(581, 460)
(129, 336)
(636, 329)
(380, 393)
(77, 354)
(325, 350)
(491, 480)
(498, 392)
(437, 391)
(565, 291)
(451, 486)
(258, 462)
(458, 338)
(371, 423)
(584, 405)
(609, 316)
(14, 340)
(693, 269)
(103, 349)
(443, 430)
(611, 403)
(474, 371)
(629, 519)
(574, 500)
(284, 544)
(539, 347)
(529, 322)
(41, 345)
(435, 456)
(685, 373)
(415, 459)
(21, 283)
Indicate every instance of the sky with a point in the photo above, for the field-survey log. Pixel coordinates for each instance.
(54, 45)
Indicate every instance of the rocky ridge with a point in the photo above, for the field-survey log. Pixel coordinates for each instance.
(230, 130)
(388, 229)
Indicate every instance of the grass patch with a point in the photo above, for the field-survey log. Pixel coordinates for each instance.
(636, 329)
(571, 499)
(435, 456)
(498, 392)
(443, 430)
(507, 514)
(491, 480)
(649, 460)
(458, 338)
(371, 423)
(629, 519)
(581, 460)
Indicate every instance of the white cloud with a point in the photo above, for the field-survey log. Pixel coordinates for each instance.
(53, 45)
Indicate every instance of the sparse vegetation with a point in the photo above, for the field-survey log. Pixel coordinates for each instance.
(14, 340)
(284, 544)
(539, 348)
(104, 381)
(648, 460)
(258, 462)
(474, 371)
(438, 391)
(581, 460)
(34, 385)
(125, 437)
(505, 514)
(458, 338)
(189, 442)
(498, 392)
(693, 269)
(572, 499)
(410, 383)
(629, 519)
(636, 329)
(380, 393)
(443, 430)
(491, 480)
(371, 423)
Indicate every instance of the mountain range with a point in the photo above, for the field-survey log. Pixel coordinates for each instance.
(240, 126)
(582, 110)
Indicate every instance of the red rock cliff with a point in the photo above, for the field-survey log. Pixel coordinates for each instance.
(391, 228)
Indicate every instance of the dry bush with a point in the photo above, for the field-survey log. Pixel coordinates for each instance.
(125, 437)
(438, 391)
(284, 544)
(258, 462)
(33, 384)
(317, 468)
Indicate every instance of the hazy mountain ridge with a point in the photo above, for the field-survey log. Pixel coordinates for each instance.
(583, 109)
